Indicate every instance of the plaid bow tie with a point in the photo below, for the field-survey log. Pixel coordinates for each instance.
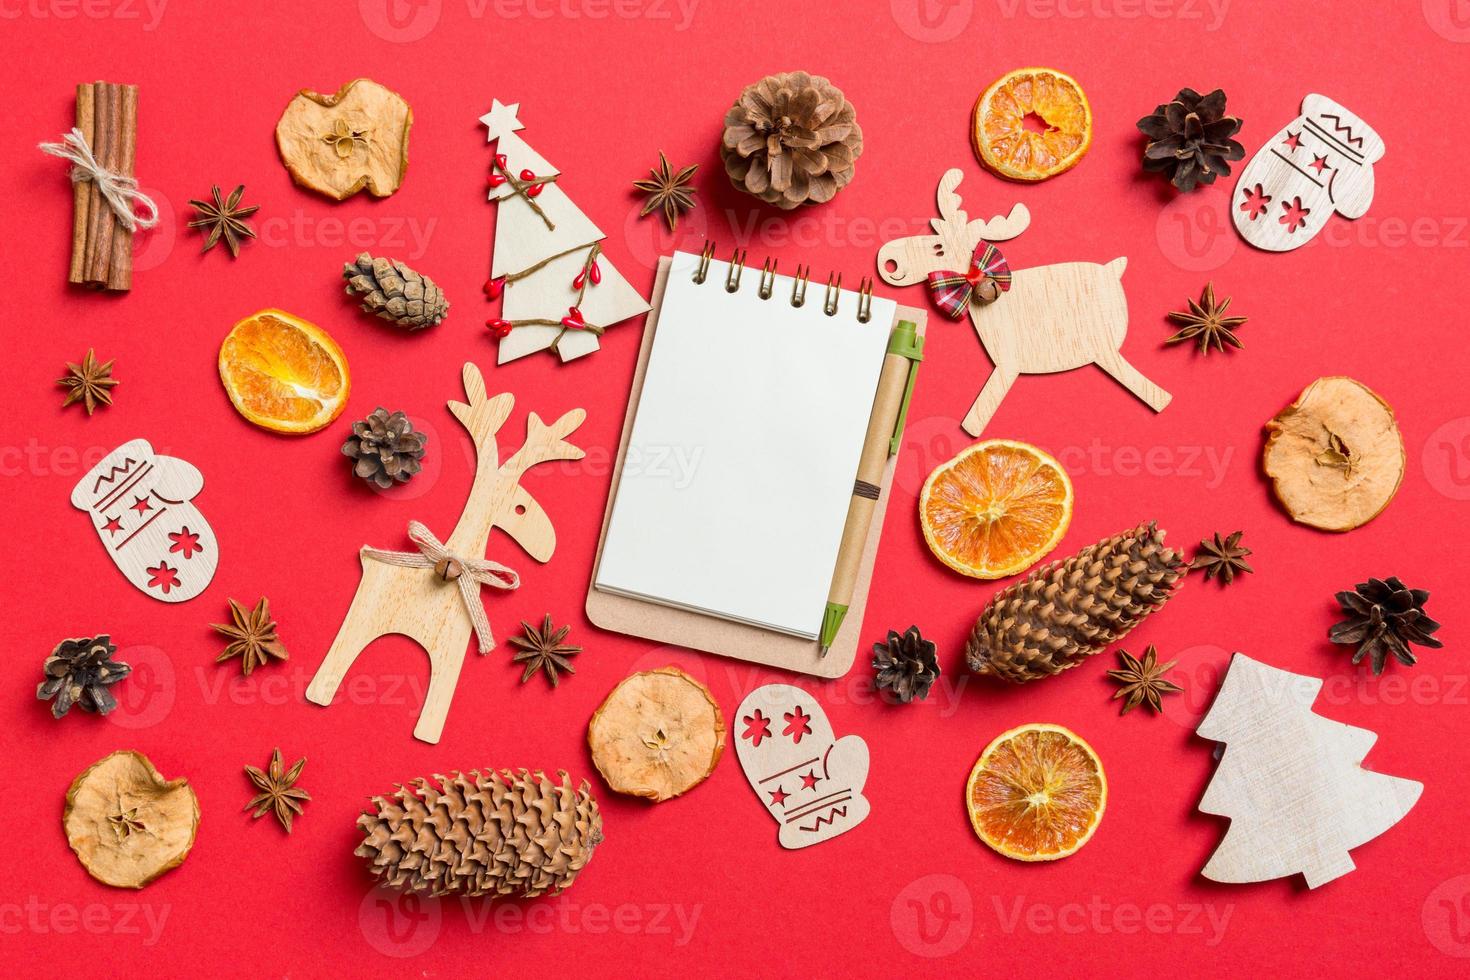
(953, 291)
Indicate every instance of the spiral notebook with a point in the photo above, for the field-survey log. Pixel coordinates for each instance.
(737, 467)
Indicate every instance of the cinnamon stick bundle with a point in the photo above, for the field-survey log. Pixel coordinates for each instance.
(102, 246)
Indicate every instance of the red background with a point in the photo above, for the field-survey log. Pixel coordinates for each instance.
(699, 884)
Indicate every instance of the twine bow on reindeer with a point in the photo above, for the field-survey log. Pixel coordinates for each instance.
(468, 573)
(988, 276)
(118, 190)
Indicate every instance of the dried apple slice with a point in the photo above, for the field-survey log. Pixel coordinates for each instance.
(658, 734)
(1335, 455)
(126, 823)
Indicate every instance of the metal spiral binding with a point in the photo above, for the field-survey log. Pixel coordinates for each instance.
(799, 282)
(798, 285)
(865, 300)
(704, 259)
(768, 278)
(834, 288)
(737, 266)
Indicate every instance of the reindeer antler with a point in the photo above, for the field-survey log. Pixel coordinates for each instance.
(482, 416)
(545, 442)
(999, 229)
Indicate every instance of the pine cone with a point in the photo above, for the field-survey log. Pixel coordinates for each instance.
(490, 833)
(906, 664)
(1383, 617)
(80, 672)
(1059, 615)
(395, 292)
(791, 139)
(385, 448)
(1189, 139)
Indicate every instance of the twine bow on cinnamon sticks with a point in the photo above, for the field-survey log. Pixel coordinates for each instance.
(468, 573)
(106, 202)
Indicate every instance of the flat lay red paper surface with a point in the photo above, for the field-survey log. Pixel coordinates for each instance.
(698, 885)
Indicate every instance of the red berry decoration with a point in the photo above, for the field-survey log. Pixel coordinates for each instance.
(499, 328)
(573, 320)
(534, 189)
(495, 180)
(494, 287)
(592, 271)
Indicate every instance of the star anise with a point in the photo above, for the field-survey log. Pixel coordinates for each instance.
(1206, 322)
(225, 219)
(252, 636)
(343, 138)
(542, 649)
(1224, 558)
(1143, 682)
(89, 382)
(668, 190)
(278, 790)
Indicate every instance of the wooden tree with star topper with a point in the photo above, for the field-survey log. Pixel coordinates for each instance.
(558, 293)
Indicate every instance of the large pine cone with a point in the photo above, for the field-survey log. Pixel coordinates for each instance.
(482, 833)
(1060, 615)
(394, 292)
(385, 448)
(791, 139)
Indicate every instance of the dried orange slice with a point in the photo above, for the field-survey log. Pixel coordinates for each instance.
(283, 373)
(1037, 793)
(1059, 131)
(996, 508)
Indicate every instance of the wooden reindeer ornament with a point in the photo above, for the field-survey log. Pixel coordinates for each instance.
(1052, 318)
(433, 594)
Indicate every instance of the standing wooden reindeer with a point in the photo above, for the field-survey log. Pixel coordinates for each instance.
(433, 595)
(1054, 317)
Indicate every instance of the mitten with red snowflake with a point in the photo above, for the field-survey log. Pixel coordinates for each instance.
(141, 506)
(809, 781)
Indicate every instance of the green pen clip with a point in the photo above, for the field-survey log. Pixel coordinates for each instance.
(905, 342)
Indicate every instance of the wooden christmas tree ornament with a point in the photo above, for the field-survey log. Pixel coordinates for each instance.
(1319, 164)
(433, 594)
(1032, 321)
(559, 292)
(1290, 781)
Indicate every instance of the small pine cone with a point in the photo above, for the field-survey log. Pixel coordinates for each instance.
(906, 664)
(80, 672)
(1060, 615)
(1189, 139)
(791, 139)
(385, 448)
(1384, 616)
(394, 292)
(481, 833)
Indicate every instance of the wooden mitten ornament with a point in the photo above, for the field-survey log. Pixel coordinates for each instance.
(560, 292)
(1031, 321)
(809, 780)
(1290, 781)
(140, 504)
(1319, 163)
(433, 594)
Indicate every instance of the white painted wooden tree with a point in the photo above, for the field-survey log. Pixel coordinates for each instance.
(1290, 781)
(559, 293)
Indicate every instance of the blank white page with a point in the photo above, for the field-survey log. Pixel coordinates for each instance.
(740, 466)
